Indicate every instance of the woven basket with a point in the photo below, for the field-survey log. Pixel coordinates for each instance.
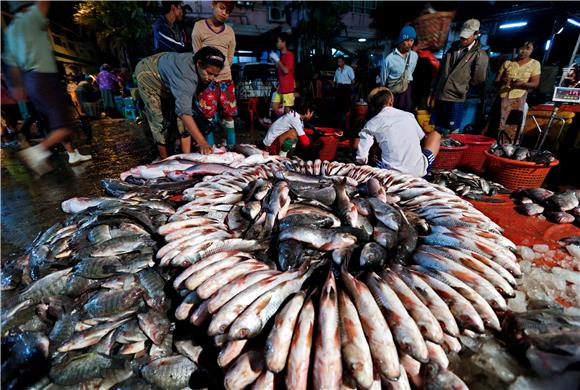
(432, 29)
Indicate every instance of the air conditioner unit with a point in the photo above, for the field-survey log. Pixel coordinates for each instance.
(276, 14)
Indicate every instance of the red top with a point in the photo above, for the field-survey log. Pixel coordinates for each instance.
(287, 81)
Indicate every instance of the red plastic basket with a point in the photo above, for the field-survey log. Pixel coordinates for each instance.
(474, 156)
(516, 174)
(329, 143)
(448, 157)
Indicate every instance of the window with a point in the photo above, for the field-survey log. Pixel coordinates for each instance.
(363, 7)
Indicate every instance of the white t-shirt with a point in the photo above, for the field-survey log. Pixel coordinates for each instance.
(290, 120)
(399, 136)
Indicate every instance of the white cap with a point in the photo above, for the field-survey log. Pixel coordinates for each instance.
(469, 28)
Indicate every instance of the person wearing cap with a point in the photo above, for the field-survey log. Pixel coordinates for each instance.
(172, 80)
(463, 66)
(398, 68)
(34, 74)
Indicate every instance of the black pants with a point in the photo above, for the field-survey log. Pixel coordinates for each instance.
(343, 94)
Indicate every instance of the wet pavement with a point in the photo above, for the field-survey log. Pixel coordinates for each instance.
(31, 205)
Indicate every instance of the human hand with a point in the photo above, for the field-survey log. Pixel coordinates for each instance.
(205, 149)
(518, 84)
(431, 101)
(18, 93)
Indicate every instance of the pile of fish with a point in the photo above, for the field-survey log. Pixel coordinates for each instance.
(88, 306)
(561, 207)
(521, 153)
(450, 143)
(303, 274)
(324, 274)
(94, 312)
(465, 184)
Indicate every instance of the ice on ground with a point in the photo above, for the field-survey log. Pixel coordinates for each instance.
(542, 248)
(574, 250)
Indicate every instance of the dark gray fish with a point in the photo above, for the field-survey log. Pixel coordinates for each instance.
(107, 303)
(38, 261)
(538, 195)
(77, 284)
(572, 240)
(384, 236)
(559, 217)
(323, 192)
(315, 220)
(373, 255)
(97, 267)
(543, 157)
(508, 150)
(406, 242)
(153, 285)
(521, 153)
(562, 201)
(171, 373)
(386, 213)
(529, 209)
(80, 368)
(289, 254)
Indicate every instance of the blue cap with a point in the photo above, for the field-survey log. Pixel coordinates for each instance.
(407, 32)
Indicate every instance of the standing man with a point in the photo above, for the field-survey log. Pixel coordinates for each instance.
(398, 68)
(284, 96)
(343, 81)
(463, 66)
(168, 36)
(33, 71)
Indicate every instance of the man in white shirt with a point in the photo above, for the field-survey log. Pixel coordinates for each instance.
(343, 81)
(399, 137)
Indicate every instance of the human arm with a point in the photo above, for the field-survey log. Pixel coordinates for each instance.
(196, 40)
(297, 125)
(480, 70)
(43, 7)
(412, 62)
(192, 128)
(366, 141)
(532, 83)
(282, 67)
(385, 71)
(232, 49)
(17, 87)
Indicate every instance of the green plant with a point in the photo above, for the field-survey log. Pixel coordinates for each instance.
(122, 28)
